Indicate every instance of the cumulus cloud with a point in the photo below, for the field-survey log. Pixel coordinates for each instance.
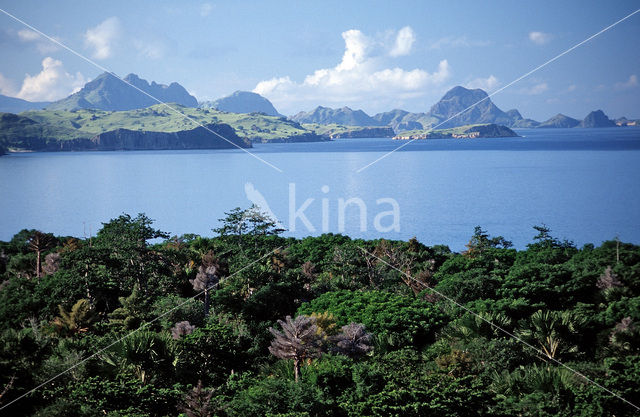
(52, 83)
(535, 90)
(403, 43)
(102, 37)
(6, 86)
(360, 76)
(539, 38)
(43, 45)
(632, 82)
(28, 35)
(487, 84)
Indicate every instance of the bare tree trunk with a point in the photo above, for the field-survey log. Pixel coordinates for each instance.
(296, 368)
(206, 303)
(38, 264)
(7, 388)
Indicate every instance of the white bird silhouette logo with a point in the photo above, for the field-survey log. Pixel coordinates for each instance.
(259, 201)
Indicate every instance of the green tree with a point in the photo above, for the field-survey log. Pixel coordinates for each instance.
(77, 320)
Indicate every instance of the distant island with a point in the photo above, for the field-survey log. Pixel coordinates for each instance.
(489, 130)
(107, 114)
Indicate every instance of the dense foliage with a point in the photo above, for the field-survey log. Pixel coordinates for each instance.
(137, 323)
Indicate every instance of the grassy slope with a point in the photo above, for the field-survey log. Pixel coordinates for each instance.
(159, 118)
(335, 128)
(451, 131)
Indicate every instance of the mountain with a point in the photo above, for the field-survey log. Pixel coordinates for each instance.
(17, 105)
(401, 120)
(458, 99)
(514, 114)
(106, 92)
(517, 121)
(344, 116)
(597, 119)
(242, 102)
(559, 120)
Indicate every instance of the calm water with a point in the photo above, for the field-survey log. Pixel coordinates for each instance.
(582, 183)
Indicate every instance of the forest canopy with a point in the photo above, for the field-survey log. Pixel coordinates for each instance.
(139, 323)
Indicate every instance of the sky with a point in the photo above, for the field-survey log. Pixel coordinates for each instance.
(374, 55)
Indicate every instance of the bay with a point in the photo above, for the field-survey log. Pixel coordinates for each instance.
(582, 183)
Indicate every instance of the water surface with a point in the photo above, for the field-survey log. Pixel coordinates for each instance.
(582, 183)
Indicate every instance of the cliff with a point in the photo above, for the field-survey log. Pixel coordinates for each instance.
(198, 138)
(41, 138)
(304, 137)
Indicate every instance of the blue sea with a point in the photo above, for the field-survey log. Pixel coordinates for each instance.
(584, 184)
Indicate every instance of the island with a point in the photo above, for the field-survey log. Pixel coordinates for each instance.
(157, 127)
(461, 132)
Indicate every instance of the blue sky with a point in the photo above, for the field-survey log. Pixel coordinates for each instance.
(374, 56)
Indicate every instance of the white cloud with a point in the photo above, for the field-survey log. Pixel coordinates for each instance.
(6, 86)
(404, 40)
(101, 37)
(457, 42)
(360, 76)
(539, 38)
(535, 90)
(206, 9)
(632, 82)
(52, 83)
(571, 88)
(27, 35)
(487, 84)
(44, 46)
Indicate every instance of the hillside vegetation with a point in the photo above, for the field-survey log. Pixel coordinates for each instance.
(320, 326)
(467, 131)
(159, 118)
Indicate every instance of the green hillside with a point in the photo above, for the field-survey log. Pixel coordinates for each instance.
(476, 130)
(337, 130)
(159, 118)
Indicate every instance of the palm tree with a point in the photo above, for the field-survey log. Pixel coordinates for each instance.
(553, 331)
(75, 321)
(197, 403)
(208, 277)
(299, 340)
(483, 324)
(40, 242)
(143, 352)
(353, 341)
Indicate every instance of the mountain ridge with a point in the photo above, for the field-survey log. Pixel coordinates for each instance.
(342, 116)
(242, 102)
(18, 105)
(107, 92)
